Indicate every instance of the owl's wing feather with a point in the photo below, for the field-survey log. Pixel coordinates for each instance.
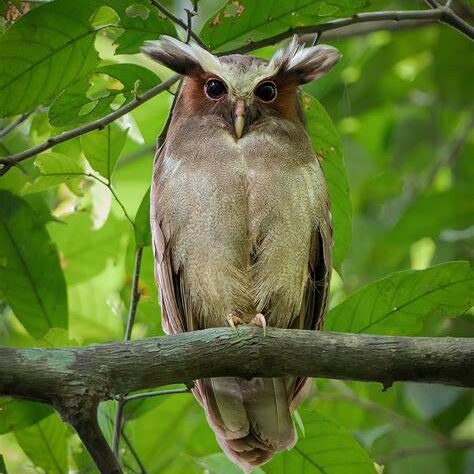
(316, 296)
(169, 281)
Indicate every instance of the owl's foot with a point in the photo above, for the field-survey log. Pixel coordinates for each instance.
(233, 321)
(260, 321)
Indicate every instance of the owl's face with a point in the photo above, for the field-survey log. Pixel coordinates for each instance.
(242, 90)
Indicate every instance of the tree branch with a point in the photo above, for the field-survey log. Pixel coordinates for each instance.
(106, 371)
(441, 14)
(75, 380)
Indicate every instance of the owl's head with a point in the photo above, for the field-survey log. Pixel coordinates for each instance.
(242, 89)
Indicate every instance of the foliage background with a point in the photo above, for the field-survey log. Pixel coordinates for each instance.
(400, 107)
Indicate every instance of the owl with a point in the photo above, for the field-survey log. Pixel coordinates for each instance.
(241, 223)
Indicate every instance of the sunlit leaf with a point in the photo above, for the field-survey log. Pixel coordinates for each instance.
(327, 448)
(102, 148)
(65, 110)
(241, 21)
(85, 251)
(55, 168)
(45, 443)
(37, 297)
(327, 145)
(398, 303)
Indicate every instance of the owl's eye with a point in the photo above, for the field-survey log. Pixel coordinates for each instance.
(215, 89)
(266, 91)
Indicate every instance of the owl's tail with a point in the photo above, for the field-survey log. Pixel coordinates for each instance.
(251, 418)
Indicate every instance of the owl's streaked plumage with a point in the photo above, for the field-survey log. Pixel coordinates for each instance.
(241, 223)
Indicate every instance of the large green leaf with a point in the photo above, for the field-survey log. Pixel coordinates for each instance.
(45, 443)
(85, 251)
(398, 303)
(55, 168)
(326, 448)
(18, 414)
(76, 106)
(142, 222)
(241, 21)
(31, 279)
(454, 210)
(102, 148)
(328, 147)
(43, 52)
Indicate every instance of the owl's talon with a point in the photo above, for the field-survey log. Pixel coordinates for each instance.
(233, 321)
(260, 321)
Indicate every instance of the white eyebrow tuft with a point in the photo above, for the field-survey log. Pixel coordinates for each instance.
(193, 51)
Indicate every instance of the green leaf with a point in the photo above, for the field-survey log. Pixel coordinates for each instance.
(454, 210)
(66, 109)
(31, 279)
(327, 145)
(46, 444)
(18, 414)
(328, 448)
(44, 52)
(76, 105)
(398, 303)
(219, 464)
(142, 222)
(102, 148)
(85, 251)
(135, 79)
(241, 21)
(139, 24)
(55, 168)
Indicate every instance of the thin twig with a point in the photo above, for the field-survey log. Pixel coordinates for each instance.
(134, 299)
(136, 294)
(99, 124)
(189, 16)
(179, 22)
(155, 393)
(8, 128)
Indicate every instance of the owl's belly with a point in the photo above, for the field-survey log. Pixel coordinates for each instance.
(242, 234)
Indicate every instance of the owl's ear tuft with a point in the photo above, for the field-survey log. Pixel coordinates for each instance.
(181, 57)
(305, 64)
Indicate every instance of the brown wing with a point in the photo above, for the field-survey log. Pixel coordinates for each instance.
(167, 278)
(317, 291)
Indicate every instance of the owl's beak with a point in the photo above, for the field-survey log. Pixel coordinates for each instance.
(239, 117)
